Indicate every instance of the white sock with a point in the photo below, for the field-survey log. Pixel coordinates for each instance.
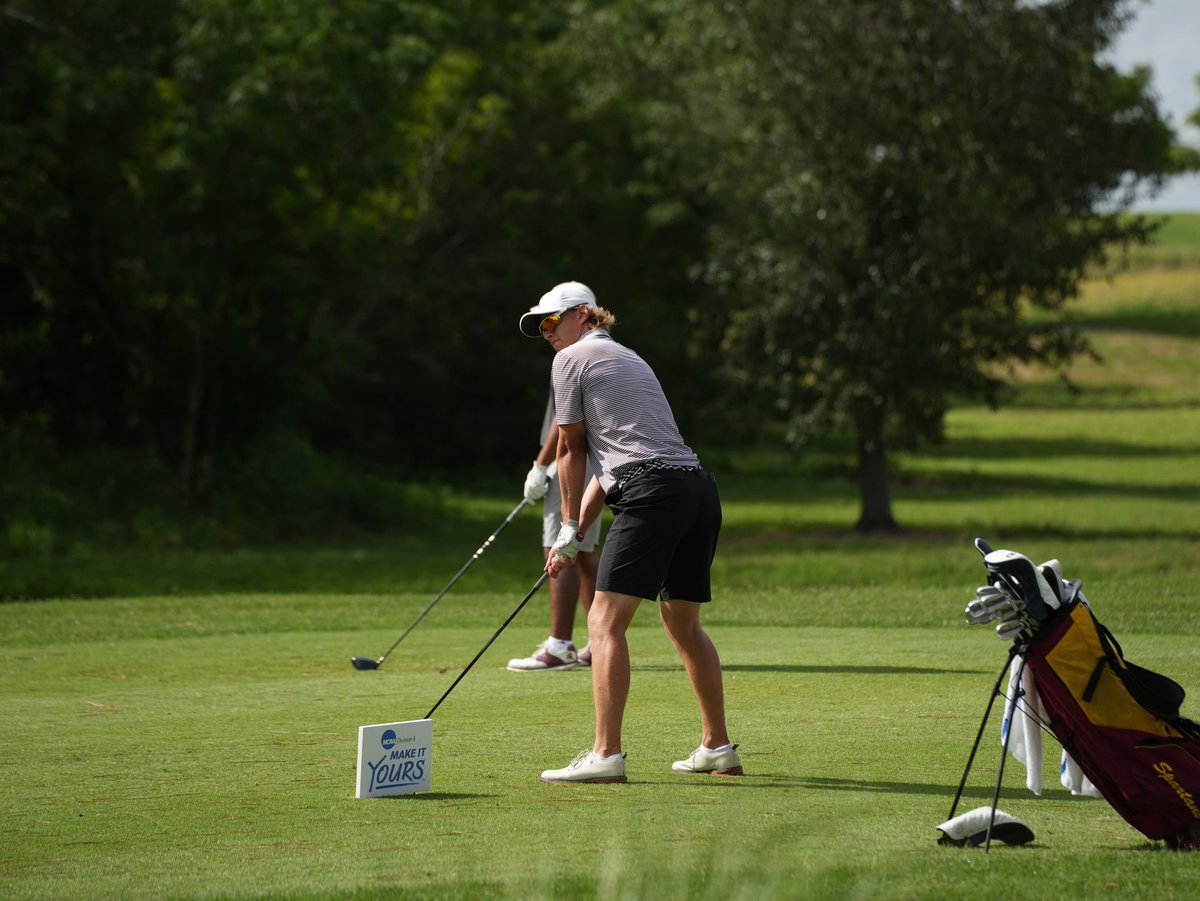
(558, 645)
(724, 747)
(611, 757)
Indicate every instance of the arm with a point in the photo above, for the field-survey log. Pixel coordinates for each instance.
(535, 480)
(572, 471)
(550, 448)
(593, 505)
(572, 468)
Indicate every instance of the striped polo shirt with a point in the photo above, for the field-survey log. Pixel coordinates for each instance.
(615, 394)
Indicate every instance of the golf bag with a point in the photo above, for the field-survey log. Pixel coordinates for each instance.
(1119, 721)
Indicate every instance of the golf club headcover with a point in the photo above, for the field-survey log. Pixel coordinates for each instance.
(1035, 590)
(1052, 571)
(967, 830)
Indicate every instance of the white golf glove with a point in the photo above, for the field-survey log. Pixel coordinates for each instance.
(566, 545)
(536, 483)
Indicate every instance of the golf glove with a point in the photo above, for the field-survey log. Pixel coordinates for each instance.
(536, 483)
(566, 545)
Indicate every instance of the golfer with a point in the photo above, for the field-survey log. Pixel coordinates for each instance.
(577, 585)
(611, 410)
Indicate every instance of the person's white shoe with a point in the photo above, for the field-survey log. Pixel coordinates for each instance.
(725, 762)
(544, 660)
(585, 656)
(588, 768)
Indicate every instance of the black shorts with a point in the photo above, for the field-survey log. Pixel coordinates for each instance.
(663, 538)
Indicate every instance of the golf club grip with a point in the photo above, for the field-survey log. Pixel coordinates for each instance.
(521, 606)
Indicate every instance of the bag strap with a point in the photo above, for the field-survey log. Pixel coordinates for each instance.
(1094, 680)
(1157, 694)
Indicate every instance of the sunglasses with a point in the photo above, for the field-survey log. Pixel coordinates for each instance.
(550, 323)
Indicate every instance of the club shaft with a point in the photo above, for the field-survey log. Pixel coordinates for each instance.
(540, 582)
(478, 553)
(1016, 711)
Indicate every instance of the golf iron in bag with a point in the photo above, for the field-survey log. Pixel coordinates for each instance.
(1118, 721)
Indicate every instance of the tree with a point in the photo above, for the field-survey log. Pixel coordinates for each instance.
(1187, 159)
(209, 201)
(904, 180)
(226, 221)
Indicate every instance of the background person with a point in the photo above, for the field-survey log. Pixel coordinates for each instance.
(557, 653)
(611, 411)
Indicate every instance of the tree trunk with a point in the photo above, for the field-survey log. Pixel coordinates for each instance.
(874, 490)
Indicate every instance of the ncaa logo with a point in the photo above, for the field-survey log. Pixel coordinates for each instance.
(388, 740)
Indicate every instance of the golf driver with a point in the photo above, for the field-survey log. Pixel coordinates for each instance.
(368, 663)
(532, 591)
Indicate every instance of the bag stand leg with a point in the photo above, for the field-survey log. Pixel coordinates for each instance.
(1004, 753)
(996, 692)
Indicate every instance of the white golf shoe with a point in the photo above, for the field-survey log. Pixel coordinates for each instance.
(588, 768)
(722, 762)
(544, 660)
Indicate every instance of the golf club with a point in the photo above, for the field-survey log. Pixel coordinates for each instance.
(364, 663)
(532, 591)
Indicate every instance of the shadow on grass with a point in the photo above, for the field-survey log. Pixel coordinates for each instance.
(1176, 322)
(1046, 396)
(820, 783)
(435, 796)
(801, 668)
(1048, 448)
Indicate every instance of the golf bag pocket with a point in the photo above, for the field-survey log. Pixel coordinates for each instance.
(1121, 724)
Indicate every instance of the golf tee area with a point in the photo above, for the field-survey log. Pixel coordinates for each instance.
(182, 723)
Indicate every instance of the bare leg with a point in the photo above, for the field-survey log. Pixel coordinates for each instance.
(564, 593)
(608, 621)
(587, 563)
(681, 619)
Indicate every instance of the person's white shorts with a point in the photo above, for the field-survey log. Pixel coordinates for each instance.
(552, 519)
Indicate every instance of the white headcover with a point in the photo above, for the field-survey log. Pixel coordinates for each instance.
(970, 829)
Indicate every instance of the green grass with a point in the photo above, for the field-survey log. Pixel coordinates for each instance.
(205, 748)
(183, 724)
(1175, 244)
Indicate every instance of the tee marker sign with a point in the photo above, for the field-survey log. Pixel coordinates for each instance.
(394, 758)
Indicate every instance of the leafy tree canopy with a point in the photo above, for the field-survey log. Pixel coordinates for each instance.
(902, 180)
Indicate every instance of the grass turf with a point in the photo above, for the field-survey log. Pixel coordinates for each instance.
(221, 764)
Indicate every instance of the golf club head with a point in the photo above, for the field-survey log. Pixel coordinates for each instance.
(994, 602)
(1003, 612)
(997, 590)
(364, 663)
(978, 614)
(1010, 631)
(990, 597)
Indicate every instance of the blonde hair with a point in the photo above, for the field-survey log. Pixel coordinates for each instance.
(598, 317)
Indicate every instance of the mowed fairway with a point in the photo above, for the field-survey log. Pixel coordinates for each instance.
(195, 735)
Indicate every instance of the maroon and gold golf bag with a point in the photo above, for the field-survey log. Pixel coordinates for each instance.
(1121, 724)
(1119, 721)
